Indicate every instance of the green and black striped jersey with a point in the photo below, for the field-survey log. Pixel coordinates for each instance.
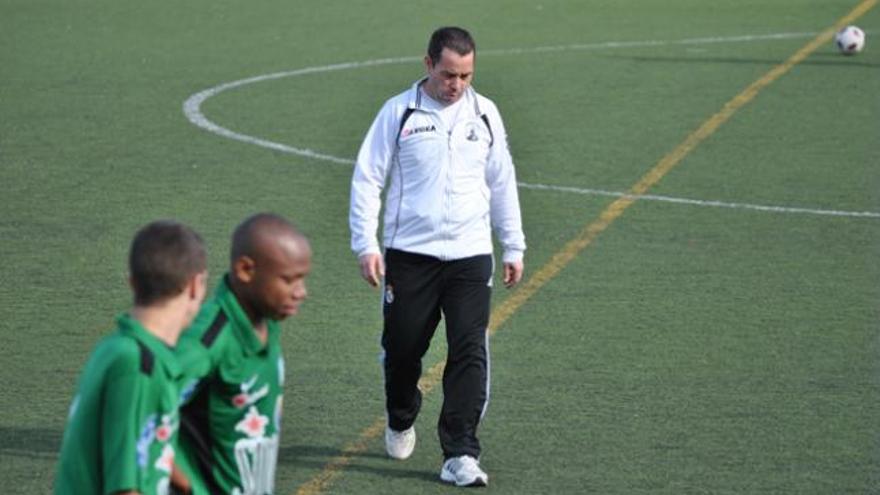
(123, 422)
(232, 388)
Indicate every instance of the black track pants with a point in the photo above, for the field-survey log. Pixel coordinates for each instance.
(417, 289)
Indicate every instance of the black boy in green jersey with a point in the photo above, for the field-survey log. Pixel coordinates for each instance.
(122, 426)
(233, 364)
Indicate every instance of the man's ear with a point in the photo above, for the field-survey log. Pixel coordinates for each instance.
(429, 64)
(244, 268)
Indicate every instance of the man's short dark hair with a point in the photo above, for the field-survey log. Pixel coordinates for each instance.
(164, 256)
(453, 38)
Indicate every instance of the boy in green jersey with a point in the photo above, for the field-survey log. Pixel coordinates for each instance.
(122, 425)
(234, 371)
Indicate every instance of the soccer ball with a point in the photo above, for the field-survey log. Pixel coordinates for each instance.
(850, 40)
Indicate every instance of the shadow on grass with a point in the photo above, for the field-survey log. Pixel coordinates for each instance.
(32, 443)
(316, 457)
(40, 443)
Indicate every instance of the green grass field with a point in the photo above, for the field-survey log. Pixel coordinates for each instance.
(707, 346)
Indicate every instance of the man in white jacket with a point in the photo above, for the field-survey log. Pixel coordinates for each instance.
(441, 150)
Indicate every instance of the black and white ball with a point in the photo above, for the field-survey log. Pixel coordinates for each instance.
(850, 40)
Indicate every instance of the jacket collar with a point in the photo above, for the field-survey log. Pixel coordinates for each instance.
(414, 97)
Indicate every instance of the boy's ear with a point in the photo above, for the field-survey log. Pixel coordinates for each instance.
(197, 286)
(243, 269)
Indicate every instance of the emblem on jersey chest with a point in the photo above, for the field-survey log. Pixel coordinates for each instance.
(246, 397)
(155, 429)
(165, 461)
(253, 424)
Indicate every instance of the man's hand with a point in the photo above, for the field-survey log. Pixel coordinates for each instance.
(372, 268)
(513, 272)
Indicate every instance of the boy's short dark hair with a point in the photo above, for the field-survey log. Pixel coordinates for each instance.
(454, 38)
(164, 256)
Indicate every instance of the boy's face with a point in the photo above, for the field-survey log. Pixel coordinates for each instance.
(198, 290)
(277, 281)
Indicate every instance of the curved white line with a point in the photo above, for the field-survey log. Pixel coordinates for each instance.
(192, 106)
(192, 110)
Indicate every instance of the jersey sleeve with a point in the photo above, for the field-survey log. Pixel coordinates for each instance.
(368, 180)
(501, 180)
(123, 418)
(197, 362)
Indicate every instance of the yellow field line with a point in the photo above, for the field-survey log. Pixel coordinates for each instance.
(573, 247)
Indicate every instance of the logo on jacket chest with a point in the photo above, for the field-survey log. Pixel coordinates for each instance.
(472, 132)
(418, 130)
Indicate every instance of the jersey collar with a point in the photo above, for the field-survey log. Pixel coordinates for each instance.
(131, 327)
(244, 329)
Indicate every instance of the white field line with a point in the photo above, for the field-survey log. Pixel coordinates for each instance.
(700, 202)
(192, 110)
(649, 43)
(192, 106)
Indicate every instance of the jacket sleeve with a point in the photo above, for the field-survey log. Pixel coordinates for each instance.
(368, 180)
(501, 180)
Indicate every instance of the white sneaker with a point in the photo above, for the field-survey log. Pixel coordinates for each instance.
(400, 444)
(463, 471)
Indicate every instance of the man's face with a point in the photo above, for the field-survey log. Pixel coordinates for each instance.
(450, 76)
(278, 284)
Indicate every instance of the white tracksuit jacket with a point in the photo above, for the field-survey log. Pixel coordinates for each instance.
(447, 187)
